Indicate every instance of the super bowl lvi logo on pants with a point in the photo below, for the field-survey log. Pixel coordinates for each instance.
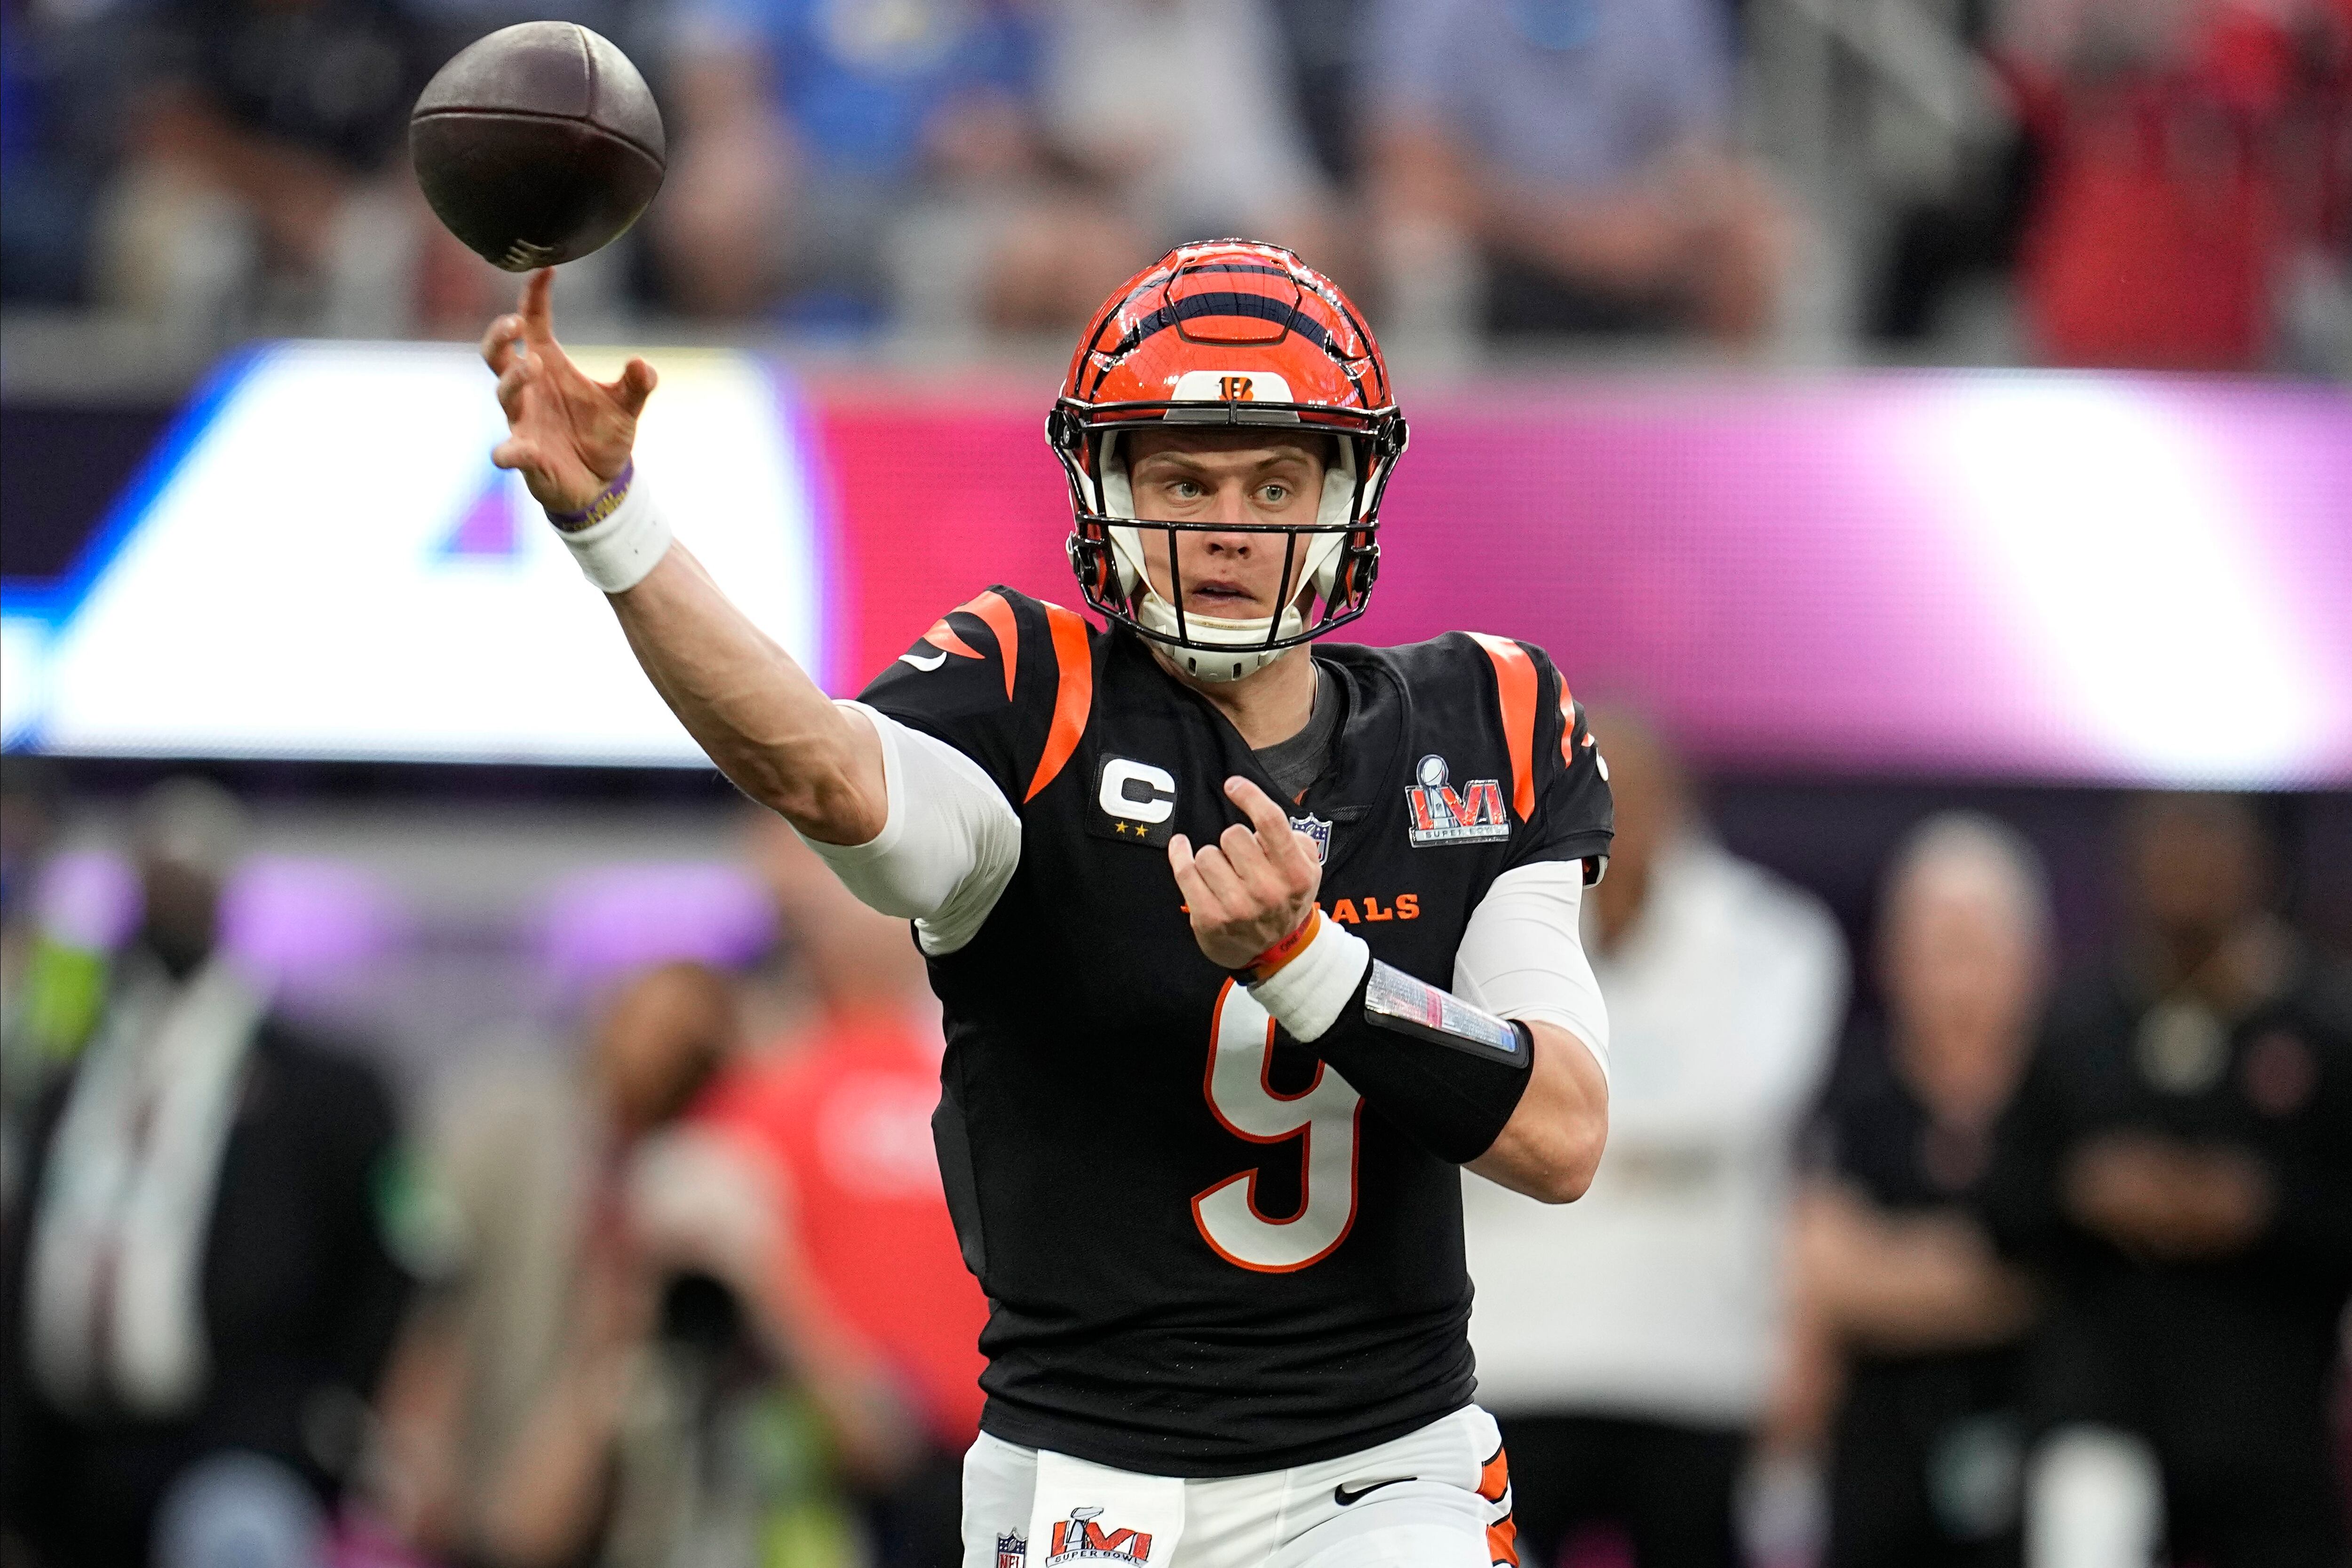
(1085, 1512)
(1082, 1538)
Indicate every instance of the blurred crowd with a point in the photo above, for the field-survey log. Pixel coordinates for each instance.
(681, 1292)
(1944, 1256)
(2157, 181)
(1931, 1254)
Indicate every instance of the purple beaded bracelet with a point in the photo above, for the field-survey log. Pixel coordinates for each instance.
(607, 501)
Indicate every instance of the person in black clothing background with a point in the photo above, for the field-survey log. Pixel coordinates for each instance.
(2177, 1173)
(199, 1291)
(1895, 1276)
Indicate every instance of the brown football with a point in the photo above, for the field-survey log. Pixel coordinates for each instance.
(537, 145)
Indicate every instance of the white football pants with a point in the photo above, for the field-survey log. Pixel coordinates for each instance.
(1435, 1497)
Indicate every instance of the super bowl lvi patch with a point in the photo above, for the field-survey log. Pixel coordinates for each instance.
(1086, 1513)
(1435, 813)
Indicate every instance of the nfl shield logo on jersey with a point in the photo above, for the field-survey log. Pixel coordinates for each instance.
(1012, 1551)
(1436, 814)
(1317, 829)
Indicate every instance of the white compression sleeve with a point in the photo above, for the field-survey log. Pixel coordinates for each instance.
(947, 848)
(1522, 956)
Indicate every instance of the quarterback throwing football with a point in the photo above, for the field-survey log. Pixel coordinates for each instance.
(1243, 944)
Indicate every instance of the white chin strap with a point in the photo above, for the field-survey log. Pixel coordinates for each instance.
(1211, 634)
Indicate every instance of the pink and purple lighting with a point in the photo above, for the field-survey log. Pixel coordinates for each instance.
(2001, 576)
(2064, 578)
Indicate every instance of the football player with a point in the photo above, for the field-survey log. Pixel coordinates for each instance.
(1244, 941)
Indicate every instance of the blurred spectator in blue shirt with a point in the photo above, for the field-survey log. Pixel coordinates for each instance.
(1325, 45)
(43, 205)
(1184, 108)
(806, 128)
(1579, 149)
(864, 83)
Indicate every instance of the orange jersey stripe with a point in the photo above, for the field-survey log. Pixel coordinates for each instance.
(992, 608)
(1515, 678)
(1073, 700)
(1494, 1476)
(1566, 724)
(943, 636)
(1502, 1535)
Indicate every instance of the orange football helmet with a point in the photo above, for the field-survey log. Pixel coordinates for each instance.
(1223, 333)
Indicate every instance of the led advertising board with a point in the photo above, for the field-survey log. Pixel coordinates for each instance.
(2024, 576)
(323, 563)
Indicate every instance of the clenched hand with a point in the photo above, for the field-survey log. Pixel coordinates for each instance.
(1251, 888)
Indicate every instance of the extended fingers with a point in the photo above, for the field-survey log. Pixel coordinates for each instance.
(539, 306)
(1214, 894)
(515, 453)
(1284, 853)
(637, 384)
(499, 343)
(1210, 889)
(1247, 858)
(512, 381)
(1235, 900)
(1199, 902)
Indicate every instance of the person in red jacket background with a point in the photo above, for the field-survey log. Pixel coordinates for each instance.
(840, 1115)
(2191, 156)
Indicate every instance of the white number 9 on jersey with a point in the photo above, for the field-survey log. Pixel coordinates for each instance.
(1241, 1051)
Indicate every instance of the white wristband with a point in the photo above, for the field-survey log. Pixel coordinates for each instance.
(1307, 995)
(618, 538)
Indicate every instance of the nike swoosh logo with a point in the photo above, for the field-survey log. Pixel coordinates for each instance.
(925, 665)
(1343, 1496)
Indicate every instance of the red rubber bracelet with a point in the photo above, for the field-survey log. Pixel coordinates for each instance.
(1263, 965)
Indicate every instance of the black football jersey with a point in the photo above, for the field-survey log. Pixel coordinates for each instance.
(1203, 1253)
